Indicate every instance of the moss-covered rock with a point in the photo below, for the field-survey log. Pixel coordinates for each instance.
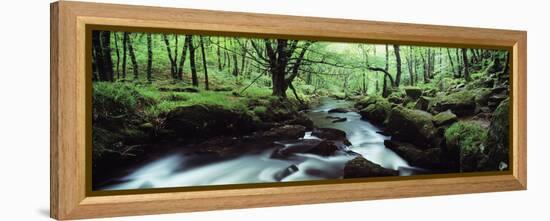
(498, 145)
(444, 118)
(276, 112)
(331, 134)
(339, 110)
(413, 92)
(432, 158)
(422, 103)
(325, 148)
(448, 84)
(200, 121)
(366, 101)
(360, 167)
(397, 97)
(374, 109)
(482, 96)
(461, 103)
(285, 132)
(467, 140)
(414, 126)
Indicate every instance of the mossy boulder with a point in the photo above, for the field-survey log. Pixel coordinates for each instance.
(375, 109)
(461, 103)
(325, 148)
(339, 95)
(482, 96)
(366, 101)
(360, 167)
(432, 158)
(397, 97)
(413, 92)
(339, 110)
(331, 134)
(414, 126)
(201, 121)
(276, 112)
(448, 84)
(498, 145)
(286, 132)
(466, 139)
(444, 118)
(422, 103)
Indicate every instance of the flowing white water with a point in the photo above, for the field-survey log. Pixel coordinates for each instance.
(175, 169)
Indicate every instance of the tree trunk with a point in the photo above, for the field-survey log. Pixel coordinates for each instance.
(453, 70)
(133, 58)
(243, 58)
(117, 56)
(459, 64)
(364, 88)
(149, 57)
(124, 54)
(219, 55)
(204, 64)
(107, 65)
(426, 68)
(182, 59)
(235, 71)
(466, 65)
(397, 65)
(194, 79)
(173, 66)
(387, 75)
(410, 66)
(506, 64)
(387, 58)
(98, 56)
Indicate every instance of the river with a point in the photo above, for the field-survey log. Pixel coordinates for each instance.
(181, 170)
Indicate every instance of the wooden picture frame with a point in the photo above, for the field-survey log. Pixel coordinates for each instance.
(70, 198)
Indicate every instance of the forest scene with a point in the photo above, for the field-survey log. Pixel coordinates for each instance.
(176, 110)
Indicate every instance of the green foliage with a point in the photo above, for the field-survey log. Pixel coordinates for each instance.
(256, 92)
(468, 135)
(119, 98)
(259, 110)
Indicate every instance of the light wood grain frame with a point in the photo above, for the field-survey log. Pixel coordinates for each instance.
(69, 199)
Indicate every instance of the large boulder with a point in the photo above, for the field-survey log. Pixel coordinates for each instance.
(367, 100)
(286, 132)
(299, 146)
(339, 110)
(285, 172)
(444, 118)
(374, 109)
(396, 98)
(203, 121)
(331, 134)
(482, 96)
(497, 146)
(325, 148)
(360, 167)
(414, 126)
(461, 103)
(466, 139)
(422, 103)
(433, 158)
(276, 112)
(413, 92)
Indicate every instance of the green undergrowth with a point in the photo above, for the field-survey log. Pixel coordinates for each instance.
(148, 101)
(468, 135)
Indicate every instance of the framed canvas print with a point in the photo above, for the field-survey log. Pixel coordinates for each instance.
(159, 110)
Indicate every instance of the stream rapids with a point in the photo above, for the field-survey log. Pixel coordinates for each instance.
(177, 169)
